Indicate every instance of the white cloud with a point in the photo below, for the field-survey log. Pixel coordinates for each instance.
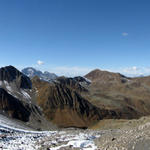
(70, 71)
(125, 34)
(39, 62)
(135, 71)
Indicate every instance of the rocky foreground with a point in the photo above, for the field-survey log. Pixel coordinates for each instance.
(48, 140)
(127, 138)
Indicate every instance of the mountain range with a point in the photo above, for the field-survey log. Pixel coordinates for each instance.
(31, 72)
(82, 102)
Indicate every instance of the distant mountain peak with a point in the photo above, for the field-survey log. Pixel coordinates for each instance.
(32, 72)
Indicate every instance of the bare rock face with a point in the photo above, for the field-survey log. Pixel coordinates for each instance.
(13, 107)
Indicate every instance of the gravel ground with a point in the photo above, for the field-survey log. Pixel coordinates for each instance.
(137, 138)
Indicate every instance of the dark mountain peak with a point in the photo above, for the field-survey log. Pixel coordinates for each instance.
(10, 67)
(8, 73)
(11, 74)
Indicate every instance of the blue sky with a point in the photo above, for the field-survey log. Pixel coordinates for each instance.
(72, 37)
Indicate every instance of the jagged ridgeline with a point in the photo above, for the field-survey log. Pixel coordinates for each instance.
(60, 101)
(72, 102)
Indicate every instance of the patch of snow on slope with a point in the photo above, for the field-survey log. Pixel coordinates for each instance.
(82, 140)
(6, 122)
(53, 140)
(88, 80)
(25, 94)
(8, 87)
(13, 137)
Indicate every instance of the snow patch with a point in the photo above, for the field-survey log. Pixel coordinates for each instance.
(15, 138)
(9, 88)
(25, 94)
(82, 141)
(88, 80)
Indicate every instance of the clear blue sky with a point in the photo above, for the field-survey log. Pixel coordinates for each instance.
(75, 34)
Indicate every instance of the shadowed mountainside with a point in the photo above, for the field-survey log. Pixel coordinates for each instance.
(17, 98)
(13, 107)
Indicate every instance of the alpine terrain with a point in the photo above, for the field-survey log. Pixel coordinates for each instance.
(98, 111)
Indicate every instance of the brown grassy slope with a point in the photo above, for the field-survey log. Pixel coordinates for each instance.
(67, 101)
(115, 91)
